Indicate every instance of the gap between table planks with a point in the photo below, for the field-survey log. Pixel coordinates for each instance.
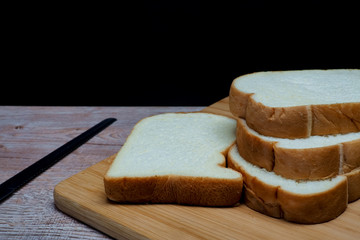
(82, 197)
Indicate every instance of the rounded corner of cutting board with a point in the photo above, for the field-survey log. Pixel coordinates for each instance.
(221, 107)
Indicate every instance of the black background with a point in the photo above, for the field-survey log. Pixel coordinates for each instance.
(165, 52)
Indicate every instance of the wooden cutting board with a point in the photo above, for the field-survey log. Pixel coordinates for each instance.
(82, 197)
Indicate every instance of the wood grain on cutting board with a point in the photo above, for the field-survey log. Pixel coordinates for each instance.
(82, 196)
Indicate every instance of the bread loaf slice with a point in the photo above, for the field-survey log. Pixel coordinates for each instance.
(302, 202)
(316, 157)
(298, 104)
(176, 158)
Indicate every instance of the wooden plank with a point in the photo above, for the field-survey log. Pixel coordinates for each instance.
(82, 196)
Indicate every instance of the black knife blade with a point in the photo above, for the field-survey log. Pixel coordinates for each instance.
(16, 182)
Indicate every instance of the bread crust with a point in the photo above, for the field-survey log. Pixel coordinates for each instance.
(296, 121)
(351, 151)
(353, 184)
(254, 202)
(300, 208)
(186, 190)
(335, 118)
(314, 208)
(299, 164)
(254, 149)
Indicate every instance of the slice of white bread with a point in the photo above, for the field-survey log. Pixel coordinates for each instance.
(176, 158)
(302, 202)
(298, 104)
(316, 157)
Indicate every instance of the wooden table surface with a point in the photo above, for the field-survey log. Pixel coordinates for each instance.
(28, 134)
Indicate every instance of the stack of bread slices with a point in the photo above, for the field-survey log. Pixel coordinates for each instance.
(298, 142)
(292, 149)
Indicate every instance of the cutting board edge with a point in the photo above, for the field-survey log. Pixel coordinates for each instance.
(80, 212)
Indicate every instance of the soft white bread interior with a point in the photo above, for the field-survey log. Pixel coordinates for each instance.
(302, 87)
(316, 157)
(176, 158)
(297, 201)
(298, 104)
